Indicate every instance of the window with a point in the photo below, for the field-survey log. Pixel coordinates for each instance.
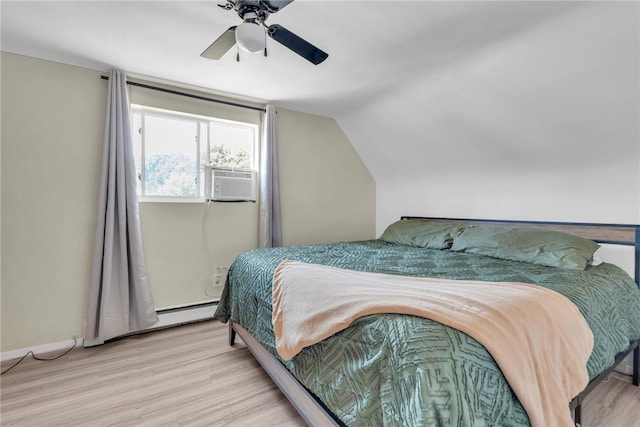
(172, 149)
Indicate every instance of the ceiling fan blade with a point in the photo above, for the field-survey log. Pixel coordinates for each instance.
(296, 44)
(221, 45)
(272, 6)
(228, 5)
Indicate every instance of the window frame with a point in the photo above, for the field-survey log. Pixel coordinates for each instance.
(200, 121)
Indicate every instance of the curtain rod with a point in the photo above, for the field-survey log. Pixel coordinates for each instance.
(189, 95)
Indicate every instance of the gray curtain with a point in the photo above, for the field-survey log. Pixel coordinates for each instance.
(119, 296)
(270, 228)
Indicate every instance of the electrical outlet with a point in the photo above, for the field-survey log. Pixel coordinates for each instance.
(219, 276)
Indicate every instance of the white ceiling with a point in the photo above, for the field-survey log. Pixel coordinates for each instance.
(373, 46)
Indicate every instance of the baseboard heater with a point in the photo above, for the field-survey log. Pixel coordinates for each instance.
(170, 317)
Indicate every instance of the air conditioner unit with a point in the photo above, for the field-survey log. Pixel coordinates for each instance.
(230, 185)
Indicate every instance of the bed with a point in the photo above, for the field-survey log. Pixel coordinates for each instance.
(443, 376)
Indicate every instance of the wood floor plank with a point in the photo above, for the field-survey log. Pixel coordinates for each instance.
(189, 376)
(179, 376)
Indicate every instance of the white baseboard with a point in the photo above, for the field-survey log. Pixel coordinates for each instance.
(39, 349)
(166, 319)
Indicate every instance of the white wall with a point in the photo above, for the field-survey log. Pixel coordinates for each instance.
(52, 126)
(534, 121)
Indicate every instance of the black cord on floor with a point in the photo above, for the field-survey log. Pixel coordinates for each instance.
(42, 359)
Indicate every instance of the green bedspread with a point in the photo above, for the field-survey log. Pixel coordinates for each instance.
(402, 370)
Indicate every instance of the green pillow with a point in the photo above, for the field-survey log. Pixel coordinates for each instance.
(543, 247)
(421, 234)
(481, 240)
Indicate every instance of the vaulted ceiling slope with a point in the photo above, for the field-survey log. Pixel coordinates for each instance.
(493, 95)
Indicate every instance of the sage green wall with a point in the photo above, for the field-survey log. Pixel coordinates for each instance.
(52, 121)
(327, 193)
(52, 124)
(185, 243)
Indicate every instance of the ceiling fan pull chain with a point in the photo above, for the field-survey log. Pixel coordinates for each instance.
(238, 55)
(265, 43)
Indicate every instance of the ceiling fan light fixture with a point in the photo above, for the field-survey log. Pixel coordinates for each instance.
(250, 37)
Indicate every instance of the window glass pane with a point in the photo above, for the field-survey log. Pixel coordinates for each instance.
(232, 146)
(171, 157)
(171, 151)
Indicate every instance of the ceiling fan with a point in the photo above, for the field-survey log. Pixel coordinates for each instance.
(251, 34)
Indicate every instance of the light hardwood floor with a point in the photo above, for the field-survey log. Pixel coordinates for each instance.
(188, 375)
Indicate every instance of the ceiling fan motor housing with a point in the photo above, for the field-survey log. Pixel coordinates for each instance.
(251, 11)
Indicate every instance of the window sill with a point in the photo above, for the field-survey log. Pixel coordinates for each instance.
(187, 201)
(170, 200)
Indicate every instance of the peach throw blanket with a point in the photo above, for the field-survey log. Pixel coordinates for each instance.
(538, 338)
